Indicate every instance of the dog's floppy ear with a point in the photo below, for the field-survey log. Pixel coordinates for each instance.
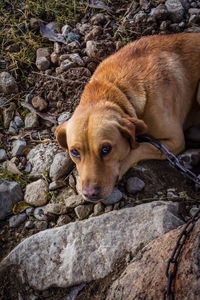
(61, 135)
(131, 127)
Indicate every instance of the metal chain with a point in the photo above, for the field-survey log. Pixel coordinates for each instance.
(172, 159)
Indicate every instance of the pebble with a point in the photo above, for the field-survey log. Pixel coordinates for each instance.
(42, 63)
(57, 48)
(98, 19)
(65, 193)
(8, 114)
(56, 184)
(134, 185)
(98, 209)
(66, 64)
(115, 197)
(18, 121)
(160, 12)
(39, 103)
(40, 213)
(8, 84)
(91, 49)
(108, 208)
(56, 208)
(61, 166)
(83, 211)
(65, 30)
(41, 225)
(193, 211)
(36, 193)
(95, 32)
(13, 129)
(75, 57)
(30, 211)
(34, 23)
(64, 117)
(73, 37)
(15, 221)
(3, 155)
(74, 201)
(18, 147)
(43, 52)
(31, 121)
(176, 10)
(54, 58)
(28, 98)
(62, 220)
(29, 224)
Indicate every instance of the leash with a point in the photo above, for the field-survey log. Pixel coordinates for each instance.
(172, 159)
(172, 263)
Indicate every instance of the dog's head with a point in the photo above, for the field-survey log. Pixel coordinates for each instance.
(98, 140)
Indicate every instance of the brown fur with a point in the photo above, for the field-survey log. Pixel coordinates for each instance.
(149, 86)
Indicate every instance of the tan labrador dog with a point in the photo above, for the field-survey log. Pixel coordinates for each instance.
(149, 86)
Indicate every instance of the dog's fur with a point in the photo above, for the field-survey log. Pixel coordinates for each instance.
(150, 86)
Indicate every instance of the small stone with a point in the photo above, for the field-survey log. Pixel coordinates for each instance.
(75, 57)
(40, 225)
(36, 193)
(31, 121)
(83, 211)
(28, 98)
(98, 209)
(134, 185)
(30, 211)
(64, 117)
(95, 32)
(139, 17)
(74, 45)
(193, 19)
(19, 122)
(15, 221)
(56, 185)
(176, 10)
(54, 58)
(40, 213)
(194, 11)
(65, 30)
(65, 193)
(56, 208)
(29, 224)
(61, 166)
(3, 101)
(43, 52)
(57, 48)
(13, 129)
(98, 19)
(18, 147)
(73, 201)
(62, 220)
(115, 197)
(66, 65)
(42, 63)
(34, 23)
(8, 114)
(3, 155)
(160, 12)
(8, 84)
(11, 167)
(73, 37)
(91, 49)
(193, 211)
(39, 103)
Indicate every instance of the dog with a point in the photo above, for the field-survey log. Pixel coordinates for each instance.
(150, 86)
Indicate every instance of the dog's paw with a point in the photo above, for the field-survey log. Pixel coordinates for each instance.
(190, 158)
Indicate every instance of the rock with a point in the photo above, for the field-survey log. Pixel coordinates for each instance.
(194, 11)
(8, 84)
(95, 32)
(56, 184)
(41, 157)
(18, 147)
(98, 209)
(62, 220)
(83, 27)
(115, 197)
(42, 63)
(74, 201)
(176, 10)
(73, 37)
(108, 208)
(43, 52)
(134, 185)
(57, 48)
(83, 211)
(15, 221)
(31, 121)
(13, 129)
(40, 213)
(39, 103)
(64, 117)
(40, 225)
(29, 224)
(28, 98)
(30, 211)
(139, 17)
(11, 167)
(91, 49)
(34, 23)
(65, 30)
(54, 58)
(8, 114)
(74, 249)
(147, 270)
(56, 208)
(66, 65)
(3, 155)
(36, 193)
(193, 211)
(18, 121)
(65, 193)
(98, 19)
(61, 166)
(75, 57)
(160, 12)
(10, 193)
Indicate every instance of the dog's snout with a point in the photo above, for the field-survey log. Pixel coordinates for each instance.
(91, 191)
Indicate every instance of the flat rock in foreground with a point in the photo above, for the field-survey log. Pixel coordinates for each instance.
(87, 250)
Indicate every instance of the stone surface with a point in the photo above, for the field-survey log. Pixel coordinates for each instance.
(42, 63)
(115, 197)
(10, 193)
(87, 250)
(18, 121)
(8, 114)
(56, 184)
(41, 225)
(134, 185)
(39, 103)
(74, 201)
(64, 117)
(66, 64)
(62, 220)
(40, 213)
(3, 155)
(13, 129)
(36, 193)
(43, 52)
(8, 84)
(31, 121)
(83, 211)
(18, 147)
(176, 10)
(75, 57)
(15, 221)
(91, 49)
(147, 270)
(61, 166)
(41, 157)
(56, 208)
(159, 12)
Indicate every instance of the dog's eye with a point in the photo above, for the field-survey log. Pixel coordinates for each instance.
(105, 150)
(75, 153)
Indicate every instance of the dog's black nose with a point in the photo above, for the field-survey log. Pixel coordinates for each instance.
(91, 191)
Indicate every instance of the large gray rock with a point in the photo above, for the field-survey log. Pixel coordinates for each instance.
(175, 9)
(41, 157)
(87, 250)
(61, 166)
(36, 193)
(10, 193)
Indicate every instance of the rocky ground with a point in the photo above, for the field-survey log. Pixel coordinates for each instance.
(39, 186)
